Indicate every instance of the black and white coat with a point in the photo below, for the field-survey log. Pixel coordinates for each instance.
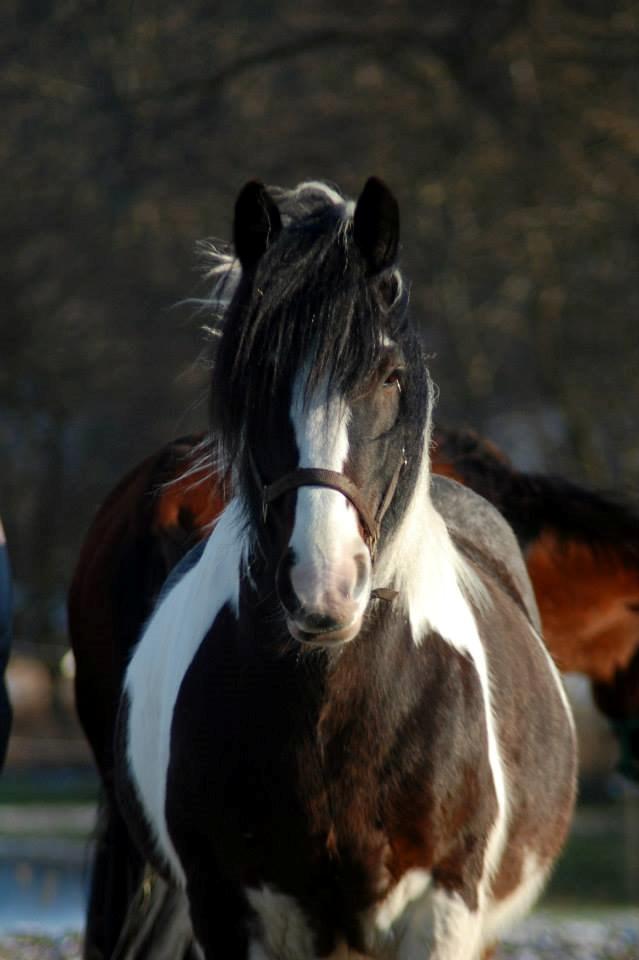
(323, 772)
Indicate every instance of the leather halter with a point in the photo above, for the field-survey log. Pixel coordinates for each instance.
(318, 477)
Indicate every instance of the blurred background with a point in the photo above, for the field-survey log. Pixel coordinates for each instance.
(509, 131)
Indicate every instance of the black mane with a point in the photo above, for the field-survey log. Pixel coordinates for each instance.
(310, 298)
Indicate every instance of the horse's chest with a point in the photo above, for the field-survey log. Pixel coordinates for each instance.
(321, 863)
(311, 788)
(340, 822)
(302, 825)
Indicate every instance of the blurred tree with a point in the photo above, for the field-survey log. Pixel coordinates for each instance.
(509, 131)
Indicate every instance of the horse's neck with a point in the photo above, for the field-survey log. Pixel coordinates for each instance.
(432, 580)
(362, 680)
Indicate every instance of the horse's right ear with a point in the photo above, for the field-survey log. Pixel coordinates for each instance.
(376, 226)
(256, 225)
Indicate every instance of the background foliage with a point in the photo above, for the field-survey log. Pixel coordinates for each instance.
(509, 131)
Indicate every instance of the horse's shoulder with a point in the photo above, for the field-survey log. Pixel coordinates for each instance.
(467, 512)
(485, 538)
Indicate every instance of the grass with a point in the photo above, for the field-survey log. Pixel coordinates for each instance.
(65, 786)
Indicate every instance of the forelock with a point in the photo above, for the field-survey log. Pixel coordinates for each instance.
(309, 301)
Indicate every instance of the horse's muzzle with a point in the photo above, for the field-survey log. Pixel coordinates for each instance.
(337, 634)
(324, 606)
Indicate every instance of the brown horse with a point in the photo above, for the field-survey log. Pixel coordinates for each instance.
(582, 553)
(145, 525)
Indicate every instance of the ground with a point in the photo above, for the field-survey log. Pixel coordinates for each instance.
(542, 937)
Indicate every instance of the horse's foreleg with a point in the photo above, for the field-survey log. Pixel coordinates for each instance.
(457, 929)
(116, 873)
(158, 925)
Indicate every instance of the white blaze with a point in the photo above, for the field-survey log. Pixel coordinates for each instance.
(326, 525)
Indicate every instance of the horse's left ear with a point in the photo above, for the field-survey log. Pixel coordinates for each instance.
(376, 225)
(256, 225)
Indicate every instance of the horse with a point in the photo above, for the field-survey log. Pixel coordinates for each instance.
(171, 501)
(582, 553)
(340, 729)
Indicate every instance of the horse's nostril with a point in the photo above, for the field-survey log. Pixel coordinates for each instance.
(318, 622)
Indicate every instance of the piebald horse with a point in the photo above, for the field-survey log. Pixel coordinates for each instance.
(581, 550)
(340, 730)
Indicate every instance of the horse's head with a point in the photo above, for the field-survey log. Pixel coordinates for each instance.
(321, 395)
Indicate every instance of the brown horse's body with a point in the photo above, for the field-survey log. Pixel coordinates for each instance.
(146, 524)
(581, 550)
(582, 553)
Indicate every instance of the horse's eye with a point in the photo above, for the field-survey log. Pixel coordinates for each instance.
(393, 379)
(389, 288)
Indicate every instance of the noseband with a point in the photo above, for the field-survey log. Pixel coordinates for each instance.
(318, 477)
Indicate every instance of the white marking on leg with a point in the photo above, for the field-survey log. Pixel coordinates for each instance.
(435, 925)
(411, 887)
(401, 925)
(412, 935)
(162, 657)
(458, 930)
(502, 914)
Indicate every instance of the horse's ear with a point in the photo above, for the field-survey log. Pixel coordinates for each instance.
(376, 225)
(256, 225)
